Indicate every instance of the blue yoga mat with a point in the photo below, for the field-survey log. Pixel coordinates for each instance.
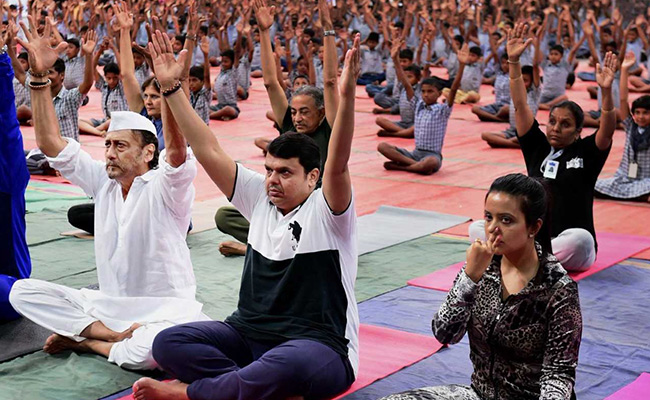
(613, 353)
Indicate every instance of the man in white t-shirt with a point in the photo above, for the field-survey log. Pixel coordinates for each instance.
(146, 280)
(295, 330)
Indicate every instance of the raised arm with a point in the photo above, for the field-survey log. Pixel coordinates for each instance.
(399, 71)
(124, 20)
(41, 58)
(463, 58)
(516, 45)
(330, 64)
(19, 72)
(337, 186)
(219, 166)
(205, 49)
(279, 102)
(624, 107)
(88, 49)
(605, 73)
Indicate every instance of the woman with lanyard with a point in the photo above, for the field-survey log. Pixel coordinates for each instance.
(570, 164)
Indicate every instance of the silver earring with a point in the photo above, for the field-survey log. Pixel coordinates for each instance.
(530, 235)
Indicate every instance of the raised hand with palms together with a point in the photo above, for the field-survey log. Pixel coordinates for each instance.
(41, 55)
(518, 41)
(606, 71)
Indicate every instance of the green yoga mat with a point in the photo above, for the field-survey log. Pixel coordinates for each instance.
(64, 376)
(41, 195)
(46, 226)
(71, 376)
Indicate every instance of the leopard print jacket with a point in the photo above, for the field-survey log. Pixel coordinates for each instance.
(523, 347)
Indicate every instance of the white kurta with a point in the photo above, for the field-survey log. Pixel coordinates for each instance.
(143, 262)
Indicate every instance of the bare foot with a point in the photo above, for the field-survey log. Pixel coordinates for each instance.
(57, 343)
(147, 388)
(378, 111)
(393, 166)
(126, 334)
(382, 133)
(544, 106)
(232, 249)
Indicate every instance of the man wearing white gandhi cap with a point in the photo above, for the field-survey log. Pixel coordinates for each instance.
(142, 211)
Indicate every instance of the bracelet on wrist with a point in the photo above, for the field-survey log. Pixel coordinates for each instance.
(39, 85)
(174, 88)
(38, 74)
(513, 62)
(606, 111)
(190, 37)
(329, 33)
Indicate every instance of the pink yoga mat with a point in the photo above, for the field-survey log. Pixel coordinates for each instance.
(383, 351)
(612, 249)
(637, 390)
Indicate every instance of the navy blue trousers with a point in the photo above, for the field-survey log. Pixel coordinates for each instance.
(220, 363)
(7, 312)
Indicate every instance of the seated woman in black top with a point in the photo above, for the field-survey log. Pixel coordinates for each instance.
(517, 304)
(570, 164)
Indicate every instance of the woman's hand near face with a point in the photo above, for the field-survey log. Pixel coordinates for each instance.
(479, 256)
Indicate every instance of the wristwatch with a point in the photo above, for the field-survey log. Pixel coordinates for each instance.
(329, 33)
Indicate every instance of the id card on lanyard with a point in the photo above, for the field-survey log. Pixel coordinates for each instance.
(550, 166)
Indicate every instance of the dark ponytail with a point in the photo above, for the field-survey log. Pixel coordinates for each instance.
(534, 198)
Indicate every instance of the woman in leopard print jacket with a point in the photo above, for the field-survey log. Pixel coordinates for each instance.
(517, 304)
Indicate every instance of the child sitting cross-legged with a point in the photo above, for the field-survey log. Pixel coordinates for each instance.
(408, 79)
(497, 111)
(632, 179)
(430, 127)
(225, 87)
(199, 83)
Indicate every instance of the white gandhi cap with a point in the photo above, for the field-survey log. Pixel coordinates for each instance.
(122, 120)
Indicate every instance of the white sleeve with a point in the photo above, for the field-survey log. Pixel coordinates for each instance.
(342, 225)
(80, 168)
(249, 190)
(175, 184)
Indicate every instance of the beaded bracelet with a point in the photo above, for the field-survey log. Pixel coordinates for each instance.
(39, 85)
(174, 88)
(38, 75)
(190, 37)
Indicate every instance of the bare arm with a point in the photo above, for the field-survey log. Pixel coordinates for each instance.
(624, 107)
(516, 45)
(463, 57)
(605, 76)
(399, 72)
(278, 98)
(127, 66)
(330, 65)
(87, 48)
(41, 58)
(337, 185)
(219, 166)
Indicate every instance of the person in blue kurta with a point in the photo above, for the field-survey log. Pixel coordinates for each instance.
(14, 256)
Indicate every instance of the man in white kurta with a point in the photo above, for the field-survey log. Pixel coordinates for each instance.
(143, 262)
